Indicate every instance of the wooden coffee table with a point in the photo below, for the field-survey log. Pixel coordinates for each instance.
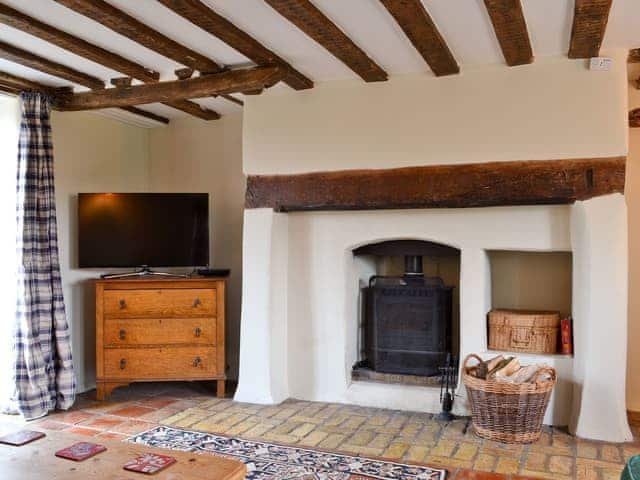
(37, 461)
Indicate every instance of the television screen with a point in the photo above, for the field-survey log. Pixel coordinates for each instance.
(136, 229)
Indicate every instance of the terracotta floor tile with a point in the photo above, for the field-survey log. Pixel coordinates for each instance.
(72, 417)
(131, 411)
(112, 435)
(90, 432)
(158, 403)
(133, 426)
(51, 425)
(103, 422)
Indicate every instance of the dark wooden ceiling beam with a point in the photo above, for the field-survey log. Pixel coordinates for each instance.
(13, 84)
(306, 16)
(146, 114)
(510, 28)
(32, 26)
(590, 19)
(418, 26)
(204, 17)
(17, 84)
(203, 86)
(232, 99)
(80, 47)
(192, 108)
(132, 28)
(31, 60)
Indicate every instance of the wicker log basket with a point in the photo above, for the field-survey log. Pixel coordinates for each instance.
(508, 412)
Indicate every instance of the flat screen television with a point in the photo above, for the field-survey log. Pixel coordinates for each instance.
(143, 229)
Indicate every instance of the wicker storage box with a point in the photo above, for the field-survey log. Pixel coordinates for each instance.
(524, 331)
(508, 412)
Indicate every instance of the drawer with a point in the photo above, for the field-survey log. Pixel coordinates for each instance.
(160, 363)
(158, 331)
(178, 302)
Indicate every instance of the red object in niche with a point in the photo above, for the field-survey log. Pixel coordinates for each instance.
(566, 336)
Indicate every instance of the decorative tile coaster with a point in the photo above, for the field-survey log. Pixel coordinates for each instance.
(80, 451)
(21, 437)
(149, 463)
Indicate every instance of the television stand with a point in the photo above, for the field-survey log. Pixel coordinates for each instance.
(144, 271)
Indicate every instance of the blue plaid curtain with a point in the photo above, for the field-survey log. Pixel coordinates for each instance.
(43, 367)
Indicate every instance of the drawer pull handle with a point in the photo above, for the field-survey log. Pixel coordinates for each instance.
(122, 334)
(123, 304)
(123, 363)
(196, 302)
(197, 332)
(197, 361)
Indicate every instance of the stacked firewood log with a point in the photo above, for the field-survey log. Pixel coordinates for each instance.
(506, 369)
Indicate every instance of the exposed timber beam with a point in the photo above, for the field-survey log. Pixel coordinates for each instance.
(204, 17)
(132, 28)
(31, 60)
(146, 114)
(32, 26)
(80, 47)
(634, 55)
(510, 27)
(542, 182)
(13, 84)
(306, 16)
(232, 99)
(203, 86)
(590, 19)
(634, 118)
(416, 22)
(192, 108)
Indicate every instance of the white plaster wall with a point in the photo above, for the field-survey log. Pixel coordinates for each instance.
(322, 299)
(553, 108)
(92, 154)
(632, 196)
(191, 155)
(263, 338)
(599, 239)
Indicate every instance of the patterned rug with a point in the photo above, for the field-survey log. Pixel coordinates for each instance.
(266, 461)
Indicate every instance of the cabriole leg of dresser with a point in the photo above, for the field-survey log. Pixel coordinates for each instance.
(221, 389)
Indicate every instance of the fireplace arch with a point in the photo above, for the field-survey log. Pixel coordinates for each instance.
(409, 310)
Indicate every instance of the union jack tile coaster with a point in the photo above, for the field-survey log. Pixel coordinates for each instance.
(149, 463)
(21, 437)
(80, 451)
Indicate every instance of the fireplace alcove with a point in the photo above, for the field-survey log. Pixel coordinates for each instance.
(408, 316)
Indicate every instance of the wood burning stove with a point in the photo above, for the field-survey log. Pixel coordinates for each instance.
(408, 319)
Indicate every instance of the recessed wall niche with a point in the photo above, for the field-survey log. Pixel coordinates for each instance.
(531, 280)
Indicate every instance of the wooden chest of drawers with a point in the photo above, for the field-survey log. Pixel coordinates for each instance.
(158, 330)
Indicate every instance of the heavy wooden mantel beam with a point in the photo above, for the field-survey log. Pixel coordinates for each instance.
(198, 87)
(309, 19)
(589, 24)
(417, 25)
(510, 27)
(441, 186)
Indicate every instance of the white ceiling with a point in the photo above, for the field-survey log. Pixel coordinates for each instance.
(463, 23)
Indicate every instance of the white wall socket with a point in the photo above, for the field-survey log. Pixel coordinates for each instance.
(600, 63)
